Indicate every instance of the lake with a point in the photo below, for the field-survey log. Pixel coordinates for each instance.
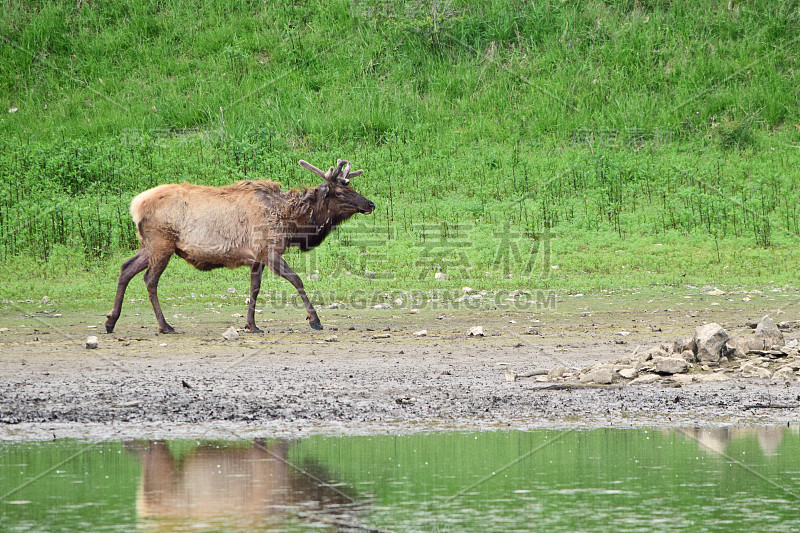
(677, 479)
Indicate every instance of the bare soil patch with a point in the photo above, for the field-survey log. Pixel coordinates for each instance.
(375, 375)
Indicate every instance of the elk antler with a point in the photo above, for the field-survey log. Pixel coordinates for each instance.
(308, 166)
(343, 168)
(341, 171)
(345, 174)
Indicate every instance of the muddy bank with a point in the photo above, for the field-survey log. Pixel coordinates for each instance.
(368, 371)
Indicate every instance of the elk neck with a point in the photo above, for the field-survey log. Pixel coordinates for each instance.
(311, 219)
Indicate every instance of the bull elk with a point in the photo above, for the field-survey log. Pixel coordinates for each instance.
(234, 488)
(249, 223)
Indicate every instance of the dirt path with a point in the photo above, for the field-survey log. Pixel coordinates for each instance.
(293, 381)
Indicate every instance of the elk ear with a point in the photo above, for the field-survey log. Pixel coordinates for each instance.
(323, 190)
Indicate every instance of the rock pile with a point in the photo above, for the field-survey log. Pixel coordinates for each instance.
(712, 354)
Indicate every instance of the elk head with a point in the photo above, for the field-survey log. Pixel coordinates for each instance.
(339, 199)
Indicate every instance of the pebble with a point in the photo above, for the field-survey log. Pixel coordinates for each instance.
(476, 331)
(230, 334)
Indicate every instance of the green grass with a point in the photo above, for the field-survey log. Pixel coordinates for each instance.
(629, 144)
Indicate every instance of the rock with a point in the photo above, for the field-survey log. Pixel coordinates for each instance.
(785, 374)
(768, 335)
(715, 292)
(710, 339)
(382, 305)
(628, 373)
(688, 356)
(381, 336)
(682, 379)
(476, 331)
(369, 274)
(645, 379)
(713, 377)
(532, 331)
(230, 334)
(651, 353)
(601, 375)
(332, 338)
(749, 370)
(556, 372)
(737, 347)
(510, 375)
(686, 344)
(772, 354)
(421, 333)
(466, 289)
(313, 277)
(334, 305)
(91, 342)
(670, 365)
(648, 355)
(440, 276)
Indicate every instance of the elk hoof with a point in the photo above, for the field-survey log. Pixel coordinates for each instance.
(109, 328)
(166, 331)
(315, 325)
(253, 329)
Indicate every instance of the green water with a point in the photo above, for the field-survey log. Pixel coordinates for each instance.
(594, 480)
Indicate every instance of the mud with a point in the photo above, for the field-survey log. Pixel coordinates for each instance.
(293, 381)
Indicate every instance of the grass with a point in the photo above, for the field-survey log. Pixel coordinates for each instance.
(578, 146)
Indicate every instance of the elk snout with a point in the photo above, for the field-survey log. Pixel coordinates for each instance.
(369, 209)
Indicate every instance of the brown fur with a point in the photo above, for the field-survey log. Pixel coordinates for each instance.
(249, 223)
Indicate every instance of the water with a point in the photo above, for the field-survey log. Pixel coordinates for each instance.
(574, 480)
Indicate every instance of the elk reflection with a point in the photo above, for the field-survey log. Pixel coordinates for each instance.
(717, 440)
(232, 487)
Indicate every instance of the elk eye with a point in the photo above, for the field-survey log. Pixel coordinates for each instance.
(339, 194)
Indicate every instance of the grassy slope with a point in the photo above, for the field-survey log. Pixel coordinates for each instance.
(654, 142)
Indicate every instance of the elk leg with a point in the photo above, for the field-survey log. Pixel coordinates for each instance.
(255, 287)
(155, 268)
(278, 265)
(129, 269)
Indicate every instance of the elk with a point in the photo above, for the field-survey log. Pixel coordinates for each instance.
(240, 488)
(250, 223)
